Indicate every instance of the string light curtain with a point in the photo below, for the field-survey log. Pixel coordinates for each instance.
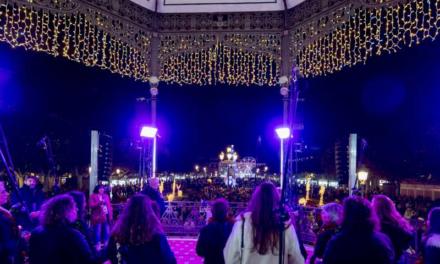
(71, 36)
(321, 41)
(368, 31)
(234, 59)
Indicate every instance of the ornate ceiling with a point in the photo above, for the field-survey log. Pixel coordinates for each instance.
(237, 48)
(216, 6)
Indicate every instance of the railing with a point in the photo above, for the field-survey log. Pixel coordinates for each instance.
(187, 218)
(182, 218)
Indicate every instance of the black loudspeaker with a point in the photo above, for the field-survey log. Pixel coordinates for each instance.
(105, 157)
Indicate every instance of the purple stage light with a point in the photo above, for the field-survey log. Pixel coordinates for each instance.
(148, 132)
(283, 132)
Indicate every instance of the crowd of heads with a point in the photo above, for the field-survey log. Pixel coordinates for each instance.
(139, 222)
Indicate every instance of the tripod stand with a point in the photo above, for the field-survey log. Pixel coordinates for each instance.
(283, 215)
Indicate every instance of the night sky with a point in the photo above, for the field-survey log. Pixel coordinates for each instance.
(393, 103)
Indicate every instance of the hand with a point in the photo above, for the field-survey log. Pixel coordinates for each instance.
(26, 235)
(34, 215)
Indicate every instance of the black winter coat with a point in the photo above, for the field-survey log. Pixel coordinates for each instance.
(400, 238)
(212, 241)
(324, 237)
(360, 248)
(155, 251)
(60, 244)
(8, 238)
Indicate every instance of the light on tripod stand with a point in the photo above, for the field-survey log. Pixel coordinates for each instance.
(283, 133)
(148, 132)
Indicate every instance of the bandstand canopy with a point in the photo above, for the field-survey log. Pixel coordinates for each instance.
(216, 6)
(208, 42)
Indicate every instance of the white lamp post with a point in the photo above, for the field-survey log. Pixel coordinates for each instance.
(283, 133)
(149, 132)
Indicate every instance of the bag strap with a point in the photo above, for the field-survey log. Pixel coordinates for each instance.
(118, 254)
(242, 238)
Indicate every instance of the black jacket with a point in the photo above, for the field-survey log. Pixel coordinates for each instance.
(8, 238)
(324, 236)
(155, 195)
(431, 250)
(400, 238)
(360, 248)
(32, 198)
(212, 240)
(155, 251)
(60, 244)
(83, 228)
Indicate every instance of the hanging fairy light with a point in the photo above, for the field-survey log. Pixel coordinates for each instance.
(367, 32)
(219, 62)
(72, 36)
(358, 30)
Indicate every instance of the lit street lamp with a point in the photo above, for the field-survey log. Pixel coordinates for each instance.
(362, 177)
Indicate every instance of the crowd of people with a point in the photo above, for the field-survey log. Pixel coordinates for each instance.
(57, 230)
(208, 189)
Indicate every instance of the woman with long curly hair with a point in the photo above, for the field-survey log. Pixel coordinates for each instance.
(255, 235)
(55, 240)
(392, 224)
(80, 223)
(137, 236)
(359, 240)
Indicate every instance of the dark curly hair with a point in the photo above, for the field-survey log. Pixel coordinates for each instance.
(359, 215)
(54, 211)
(80, 201)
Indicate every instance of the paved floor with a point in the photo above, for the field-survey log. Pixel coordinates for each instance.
(185, 250)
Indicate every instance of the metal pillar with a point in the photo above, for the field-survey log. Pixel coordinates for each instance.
(281, 161)
(93, 172)
(352, 153)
